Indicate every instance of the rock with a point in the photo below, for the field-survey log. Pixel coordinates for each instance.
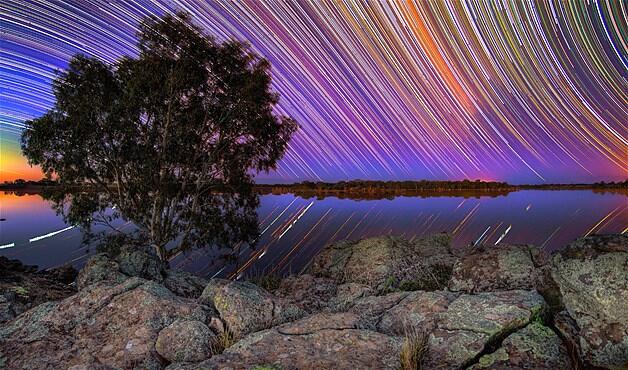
(22, 287)
(217, 325)
(63, 274)
(353, 321)
(307, 292)
(377, 305)
(245, 307)
(185, 284)
(100, 268)
(460, 327)
(137, 261)
(321, 341)
(453, 349)
(10, 268)
(102, 325)
(493, 313)
(533, 347)
(591, 274)
(473, 322)
(347, 294)
(133, 261)
(417, 309)
(7, 309)
(320, 321)
(185, 341)
(503, 267)
(388, 263)
(316, 294)
(568, 329)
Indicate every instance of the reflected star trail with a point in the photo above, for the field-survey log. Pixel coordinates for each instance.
(521, 91)
(294, 229)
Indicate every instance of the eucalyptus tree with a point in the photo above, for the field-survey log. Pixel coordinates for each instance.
(170, 139)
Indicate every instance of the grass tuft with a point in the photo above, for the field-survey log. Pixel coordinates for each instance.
(267, 282)
(223, 341)
(413, 349)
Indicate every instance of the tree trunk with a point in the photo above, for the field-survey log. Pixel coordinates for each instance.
(161, 251)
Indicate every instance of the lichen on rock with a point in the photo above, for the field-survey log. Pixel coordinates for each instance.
(534, 347)
(245, 307)
(388, 263)
(592, 274)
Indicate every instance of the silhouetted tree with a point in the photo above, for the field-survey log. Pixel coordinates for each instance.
(171, 138)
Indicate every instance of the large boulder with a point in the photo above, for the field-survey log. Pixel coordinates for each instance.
(493, 313)
(141, 262)
(501, 267)
(185, 284)
(309, 293)
(186, 341)
(472, 323)
(535, 347)
(114, 326)
(133, 261)
(417, 309)
(317, 294)
(129, 261)
(322, 341)
(100, 268)
(592, 275)
(245, 307)
(388, 263)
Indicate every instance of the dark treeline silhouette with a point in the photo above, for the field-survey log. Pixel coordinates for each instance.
(595, 185)
(21, 184)
(370, 189)
(367, 186)
(373, 186)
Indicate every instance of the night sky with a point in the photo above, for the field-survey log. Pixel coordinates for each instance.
(517, 91)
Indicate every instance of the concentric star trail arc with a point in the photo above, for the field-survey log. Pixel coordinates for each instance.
(520, 91)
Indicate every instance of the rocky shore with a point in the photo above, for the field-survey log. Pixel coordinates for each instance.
(379, 303)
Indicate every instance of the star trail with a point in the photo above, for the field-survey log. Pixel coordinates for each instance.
(518, 91)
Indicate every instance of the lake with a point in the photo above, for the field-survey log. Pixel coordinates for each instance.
(295, 228)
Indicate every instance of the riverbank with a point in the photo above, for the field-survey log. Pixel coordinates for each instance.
(381, 303)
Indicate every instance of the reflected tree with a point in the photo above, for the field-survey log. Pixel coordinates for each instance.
(170, 140)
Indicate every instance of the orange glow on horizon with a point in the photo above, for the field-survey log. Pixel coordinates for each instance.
(14, 166)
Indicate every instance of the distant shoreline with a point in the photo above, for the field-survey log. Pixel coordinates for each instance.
(378, 188)
(370, 187)
(390, 194)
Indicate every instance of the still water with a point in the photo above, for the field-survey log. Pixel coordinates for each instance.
(295, 228)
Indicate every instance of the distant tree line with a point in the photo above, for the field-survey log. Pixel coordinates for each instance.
(372, 186)
(595, 185)
(21, 183)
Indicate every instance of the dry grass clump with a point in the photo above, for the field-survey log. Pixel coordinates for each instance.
(268, 282)
(413, 349)
(223, 341)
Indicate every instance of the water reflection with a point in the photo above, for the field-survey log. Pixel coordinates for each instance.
(293, 229)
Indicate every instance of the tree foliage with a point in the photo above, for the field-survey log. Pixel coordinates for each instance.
(171, 137)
